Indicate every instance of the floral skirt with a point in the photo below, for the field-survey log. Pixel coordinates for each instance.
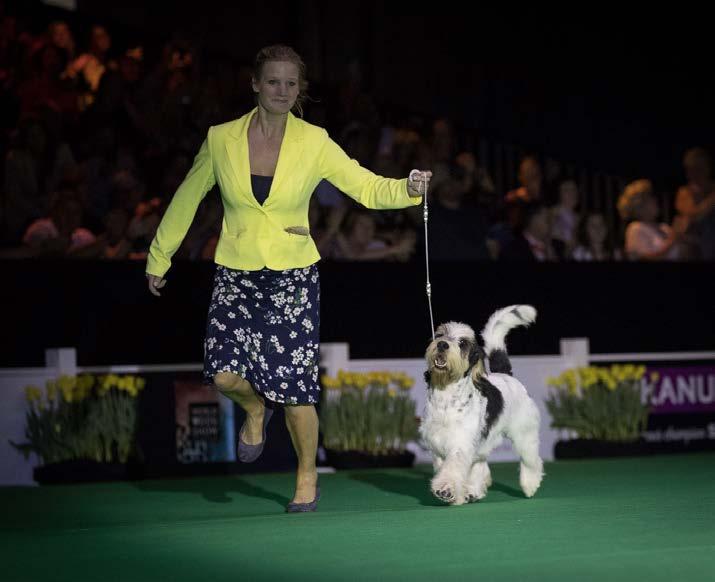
(265, 326)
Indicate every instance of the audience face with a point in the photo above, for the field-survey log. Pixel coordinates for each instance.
(648, 210)
(568, 194)
(363, 230)
(697, 168)
(278, 87)
(539, 225)
(61, 36)
(596, 230)
(100, 41)
(530, 175)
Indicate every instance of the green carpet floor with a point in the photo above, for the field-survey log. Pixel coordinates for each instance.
(628, 519)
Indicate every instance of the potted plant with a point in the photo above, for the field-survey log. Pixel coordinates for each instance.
(603, 406)
(367, 419)
(82, 428)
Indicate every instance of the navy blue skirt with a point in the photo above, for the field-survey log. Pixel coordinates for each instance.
(265, 326)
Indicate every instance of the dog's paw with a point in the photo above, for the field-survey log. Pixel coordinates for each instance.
(445, 494)
(474, 495)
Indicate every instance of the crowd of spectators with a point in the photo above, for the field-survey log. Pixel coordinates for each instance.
(96, 138)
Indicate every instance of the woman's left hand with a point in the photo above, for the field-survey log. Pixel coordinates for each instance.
(418, 182)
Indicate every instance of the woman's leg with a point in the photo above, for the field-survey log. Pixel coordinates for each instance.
(302, 422)
(240, 391)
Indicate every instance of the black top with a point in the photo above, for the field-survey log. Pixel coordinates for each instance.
(261, 186)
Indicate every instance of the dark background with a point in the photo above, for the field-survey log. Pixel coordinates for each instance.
(620, 89)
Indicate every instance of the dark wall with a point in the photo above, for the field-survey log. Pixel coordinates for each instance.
(380, 309)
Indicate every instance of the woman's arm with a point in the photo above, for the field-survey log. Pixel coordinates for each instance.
(181, 211)
(361, 184)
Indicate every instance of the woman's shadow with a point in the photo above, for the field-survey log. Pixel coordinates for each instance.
(212, 489)
(416, 483)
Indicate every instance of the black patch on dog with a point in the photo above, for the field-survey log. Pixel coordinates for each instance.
(428, 377)
(499, 362)
(476, 353)
(495, 403)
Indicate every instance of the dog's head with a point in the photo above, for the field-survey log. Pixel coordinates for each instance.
(453, 352)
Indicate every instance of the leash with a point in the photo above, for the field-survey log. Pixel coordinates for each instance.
(425, 216)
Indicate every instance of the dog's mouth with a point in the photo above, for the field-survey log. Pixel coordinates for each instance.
(440, 362)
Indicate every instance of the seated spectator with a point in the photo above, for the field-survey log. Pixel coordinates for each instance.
(358, 241)
(695, 205)
(593, 241)
(646, 239)
(532, 239)
(60, 233)
(531, 180)
(564, 217)
(457, 231)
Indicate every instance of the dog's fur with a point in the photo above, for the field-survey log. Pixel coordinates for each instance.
(469, 411)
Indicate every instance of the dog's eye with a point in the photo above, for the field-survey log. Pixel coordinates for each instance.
(463, 343)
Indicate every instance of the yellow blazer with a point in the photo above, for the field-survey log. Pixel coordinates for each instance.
(254, 236)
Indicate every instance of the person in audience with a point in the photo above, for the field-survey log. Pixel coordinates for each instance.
(359, 242)
(60, 233)
(695, 205)
(457, 231)
(531, 180)
(564, 218)
(646, 238)
(593, 240)
(532, 238)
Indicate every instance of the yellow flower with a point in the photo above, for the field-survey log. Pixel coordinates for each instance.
(392, 393)
(33, 394)
(654, 376)
(51, 390)
(141, 382)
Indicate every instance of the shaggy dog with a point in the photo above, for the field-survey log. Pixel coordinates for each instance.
(470, 410)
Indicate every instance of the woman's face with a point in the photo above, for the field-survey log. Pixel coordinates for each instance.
(363, 230)
(648, 210)
(568, 194)
(278, 87)
(596, 229)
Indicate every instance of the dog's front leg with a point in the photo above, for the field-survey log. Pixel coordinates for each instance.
(449, 484)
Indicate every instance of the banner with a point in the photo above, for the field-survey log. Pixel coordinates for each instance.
(204, 423)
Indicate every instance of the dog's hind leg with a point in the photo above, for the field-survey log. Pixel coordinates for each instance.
(480, 478)
(531, 469)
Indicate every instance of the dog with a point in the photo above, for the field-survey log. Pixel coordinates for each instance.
(470, 410)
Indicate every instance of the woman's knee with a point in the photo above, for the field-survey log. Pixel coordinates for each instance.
(229, 382)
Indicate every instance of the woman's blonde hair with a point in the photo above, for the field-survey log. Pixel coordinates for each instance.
(633, 197)
(282, 53)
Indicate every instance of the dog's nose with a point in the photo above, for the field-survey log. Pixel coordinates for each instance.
(442, 346)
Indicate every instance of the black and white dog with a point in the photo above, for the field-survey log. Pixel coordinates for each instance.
(469, 410)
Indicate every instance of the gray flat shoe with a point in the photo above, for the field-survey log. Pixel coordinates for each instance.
(249, 453)
(305, 507)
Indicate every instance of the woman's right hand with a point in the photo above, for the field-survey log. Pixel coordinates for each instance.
(155, 283)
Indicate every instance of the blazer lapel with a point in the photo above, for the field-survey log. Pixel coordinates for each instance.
(288, 158)
(237, 153)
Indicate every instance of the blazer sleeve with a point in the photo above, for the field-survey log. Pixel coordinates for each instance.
(362, 185)
(180, 213)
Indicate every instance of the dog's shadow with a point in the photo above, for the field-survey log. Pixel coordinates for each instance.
(417, 484)
(214, 490)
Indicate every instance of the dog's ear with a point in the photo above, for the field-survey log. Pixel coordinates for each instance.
(476, 355)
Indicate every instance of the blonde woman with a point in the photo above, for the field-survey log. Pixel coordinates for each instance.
(262, 340)
(646, 238)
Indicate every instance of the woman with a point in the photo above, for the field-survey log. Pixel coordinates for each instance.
(646, 239)
(593, 242)
(262, 338)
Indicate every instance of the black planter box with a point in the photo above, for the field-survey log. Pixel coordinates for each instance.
(589, 448)
(360, 460)
(84, 471)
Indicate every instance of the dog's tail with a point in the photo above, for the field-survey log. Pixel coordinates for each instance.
(498, 326)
